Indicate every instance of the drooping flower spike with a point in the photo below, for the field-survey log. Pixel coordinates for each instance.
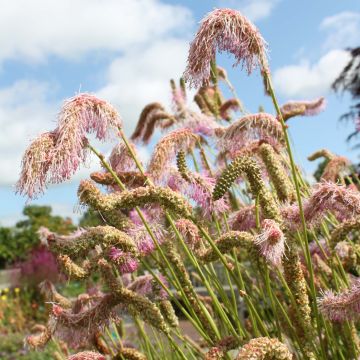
(302, 108)
(264, 348)
(271, 242)
(120, 158)
(261, 126)
(227, 106)
(335, 165)
(326, 197)
(54, 156)
(35, 166)
(80, 115)
(224, 30)
(166, 150)
(342, 306)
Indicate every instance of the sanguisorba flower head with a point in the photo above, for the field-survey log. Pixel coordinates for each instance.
(224, 30)
(80, 115)
(54, 156)
(167, 148)
(302, 108)
(261, 126)
(342, 306)
(35, 165)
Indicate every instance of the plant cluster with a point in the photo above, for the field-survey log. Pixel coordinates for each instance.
(278, 258)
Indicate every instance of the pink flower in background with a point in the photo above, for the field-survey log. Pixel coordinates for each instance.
(35, 165)
(40, 265)
(54, 156)
(342, 306)
(80, 115)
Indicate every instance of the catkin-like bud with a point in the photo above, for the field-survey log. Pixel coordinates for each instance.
(49, 291)
(264, 348)
(129, 199)
(168, 313)
(226, 243)
(200, 102)
(279, 177)
(185, 282)
(81, 242)
(295, 279)
(87, 355)
(73, 270)
(39, 340)
(129, 354)
(134, 303)
(251, 170)
(181, 165)
(167, 148)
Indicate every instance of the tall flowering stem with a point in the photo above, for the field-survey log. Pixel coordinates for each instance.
(270, 87)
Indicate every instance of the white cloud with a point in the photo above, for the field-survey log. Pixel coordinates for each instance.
(147, 36)
(142, 75)
(32, 30)
(343, 30)
(308, 80)
(24, 113)
(255, 10)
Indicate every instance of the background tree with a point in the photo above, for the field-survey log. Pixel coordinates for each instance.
(16, 242)
(349, 81)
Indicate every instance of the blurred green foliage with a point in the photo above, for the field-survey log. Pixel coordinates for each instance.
(17, 241)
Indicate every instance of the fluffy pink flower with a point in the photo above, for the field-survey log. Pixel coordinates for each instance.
(224, 30)
(247, 129)
(200, 124)
(167, 149)
(35, 166)
(55, 156)
(303, 108)
(326, 197)
(80, 115)
(271, 242)
(243, 219)
(342, 306)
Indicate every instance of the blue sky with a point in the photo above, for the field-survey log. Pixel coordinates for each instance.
(127, 50)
